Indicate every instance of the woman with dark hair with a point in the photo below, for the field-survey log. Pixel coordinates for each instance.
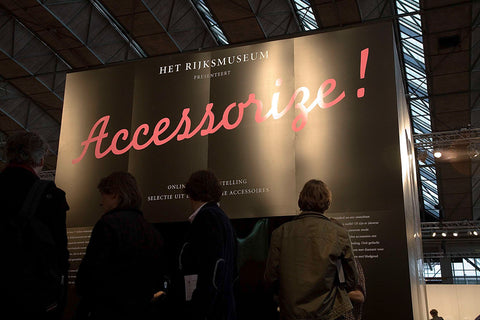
(309, 258)
(123, 265)
(209, 255)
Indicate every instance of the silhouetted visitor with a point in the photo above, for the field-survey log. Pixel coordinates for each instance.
(434, 314)
(209, 255)
(33, 239)
(123, 265)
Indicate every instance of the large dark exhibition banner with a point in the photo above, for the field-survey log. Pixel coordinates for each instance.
(265, 118)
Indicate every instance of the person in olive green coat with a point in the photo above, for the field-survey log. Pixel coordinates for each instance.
(304, 257)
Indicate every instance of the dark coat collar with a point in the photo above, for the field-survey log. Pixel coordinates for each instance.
(16, 166)
(123, 209)
(211, 204)
(305, 214)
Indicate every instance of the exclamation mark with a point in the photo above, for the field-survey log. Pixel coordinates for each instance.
(363, 66)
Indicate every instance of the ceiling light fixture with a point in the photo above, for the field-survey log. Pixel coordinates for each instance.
(473, 152)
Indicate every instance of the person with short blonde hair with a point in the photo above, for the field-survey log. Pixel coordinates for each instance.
(303, 259)
(315, 196)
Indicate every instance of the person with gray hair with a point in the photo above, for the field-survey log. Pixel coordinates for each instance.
(27, 149)
(33, 238)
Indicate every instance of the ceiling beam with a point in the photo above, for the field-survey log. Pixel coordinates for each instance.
(28, 115)
(179, 19)
(275, 17)
(95, 28)
(32, 54)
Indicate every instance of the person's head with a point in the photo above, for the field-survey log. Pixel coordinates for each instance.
(119, 190)
(434, 312)
(26, 148)
(203, 186)
(315, 196)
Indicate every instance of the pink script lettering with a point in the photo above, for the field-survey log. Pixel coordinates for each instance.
(208, 121)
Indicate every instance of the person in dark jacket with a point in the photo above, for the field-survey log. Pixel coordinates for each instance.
(123, 266)
(209, 255)
(304, 260)
(25, 153)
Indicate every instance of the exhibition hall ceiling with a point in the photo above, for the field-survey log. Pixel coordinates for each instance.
(43, 40)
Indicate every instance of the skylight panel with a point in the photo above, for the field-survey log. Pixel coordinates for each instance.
(119, 28)
(210, 21)
(305, 14)
(410, 26)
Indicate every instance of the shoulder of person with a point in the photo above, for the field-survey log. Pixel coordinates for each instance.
(336, 222)
(210, 206)
(338, 225)
(284, 226)
(52, 201)
(116, 215)
(210, 211)
(52, 190)
(54, 194)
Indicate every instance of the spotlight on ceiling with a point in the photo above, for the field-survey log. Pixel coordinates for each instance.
(455, 234)
(437, 154)
(473, 152)
(434, 234)
(444, 234)
(475, 233)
